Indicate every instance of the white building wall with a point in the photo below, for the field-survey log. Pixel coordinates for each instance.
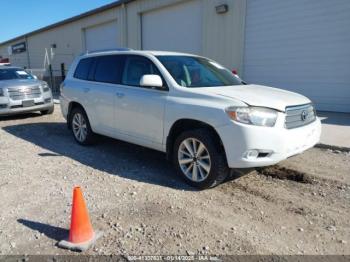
(174, 34)
(20, 59)
(301, 46)
(222, 34)
(69, 40)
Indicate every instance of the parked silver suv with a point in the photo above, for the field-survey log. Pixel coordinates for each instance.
(21, 92)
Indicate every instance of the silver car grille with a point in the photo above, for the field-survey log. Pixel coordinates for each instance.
(297, 116)
(22, 93)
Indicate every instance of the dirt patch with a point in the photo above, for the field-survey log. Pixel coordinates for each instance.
(286, 173)
(300, 206)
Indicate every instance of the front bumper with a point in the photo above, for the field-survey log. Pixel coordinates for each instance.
(11, 107)
(277, 143)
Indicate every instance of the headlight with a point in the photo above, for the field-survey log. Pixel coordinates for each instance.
(258, 116)
(45, 87)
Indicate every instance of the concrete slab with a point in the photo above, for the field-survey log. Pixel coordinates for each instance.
(335, 129)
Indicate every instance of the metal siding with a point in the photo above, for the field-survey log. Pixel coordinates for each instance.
(172, 33)
(134, 12)
(69, 39)
(302, 46)
(20, 59)
(221, 34)
(104, 36)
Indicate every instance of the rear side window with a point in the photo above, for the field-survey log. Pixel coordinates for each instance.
(109, 69)
(82, 70)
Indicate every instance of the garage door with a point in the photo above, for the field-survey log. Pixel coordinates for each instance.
(302, 46)
(174, 28)
(104, 36)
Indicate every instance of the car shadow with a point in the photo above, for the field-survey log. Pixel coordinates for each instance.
(108, 155)
(19, 116)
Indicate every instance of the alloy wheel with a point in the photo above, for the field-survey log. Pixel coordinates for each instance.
(79, 127)
(194, 159)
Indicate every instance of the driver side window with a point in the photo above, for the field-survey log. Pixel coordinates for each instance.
(136, 67)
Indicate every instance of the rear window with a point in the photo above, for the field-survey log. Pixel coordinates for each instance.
(82, 70)
(109, 69)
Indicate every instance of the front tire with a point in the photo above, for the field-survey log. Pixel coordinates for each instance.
(199, 160)
(80, 127)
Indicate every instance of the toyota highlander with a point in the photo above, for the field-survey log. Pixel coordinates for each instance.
(205, 118)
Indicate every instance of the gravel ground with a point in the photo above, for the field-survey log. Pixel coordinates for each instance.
(301, 206)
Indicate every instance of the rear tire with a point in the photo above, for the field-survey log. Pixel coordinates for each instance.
(199, 159)
(80, 127)
(48, 112)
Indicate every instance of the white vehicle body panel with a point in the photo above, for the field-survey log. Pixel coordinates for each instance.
(145, 116)
(257, 95)
(140, 113)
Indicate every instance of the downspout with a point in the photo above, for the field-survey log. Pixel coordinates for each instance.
(27, 50)
(125, 24)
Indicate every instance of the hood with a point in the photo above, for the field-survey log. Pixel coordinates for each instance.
(263, 96)
(19, 82)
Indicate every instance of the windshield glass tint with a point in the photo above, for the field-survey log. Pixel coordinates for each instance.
(190, 71)
(14, 73)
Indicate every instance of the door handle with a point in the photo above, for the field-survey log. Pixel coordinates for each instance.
(120, 95)
(86, 89)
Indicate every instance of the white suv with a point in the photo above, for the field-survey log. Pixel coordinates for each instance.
(204, 117)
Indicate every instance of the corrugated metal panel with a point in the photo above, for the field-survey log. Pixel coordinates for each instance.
(68, 38)
(302, 46)
(221, 34)
(104, 36)
(72, 19)
(172, 33)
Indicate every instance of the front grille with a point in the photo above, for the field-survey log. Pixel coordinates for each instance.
(297, 116)
(22, 93)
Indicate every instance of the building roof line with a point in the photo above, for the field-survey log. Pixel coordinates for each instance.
(69, 20)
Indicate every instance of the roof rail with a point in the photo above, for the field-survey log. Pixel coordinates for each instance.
(108, 50)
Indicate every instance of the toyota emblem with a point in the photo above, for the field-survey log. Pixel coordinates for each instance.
(304, 115)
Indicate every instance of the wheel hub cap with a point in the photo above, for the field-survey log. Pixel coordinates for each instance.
(194, 159)
(79, 127)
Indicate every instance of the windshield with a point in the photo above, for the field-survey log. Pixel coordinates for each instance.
(14, 73)
(190, 71)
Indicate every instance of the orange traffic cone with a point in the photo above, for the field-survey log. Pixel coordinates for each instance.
(81, 234)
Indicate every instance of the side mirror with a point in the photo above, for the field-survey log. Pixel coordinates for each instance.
(151, 81)
(35, 77)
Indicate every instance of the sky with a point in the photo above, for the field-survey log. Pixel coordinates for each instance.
(18, 17)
